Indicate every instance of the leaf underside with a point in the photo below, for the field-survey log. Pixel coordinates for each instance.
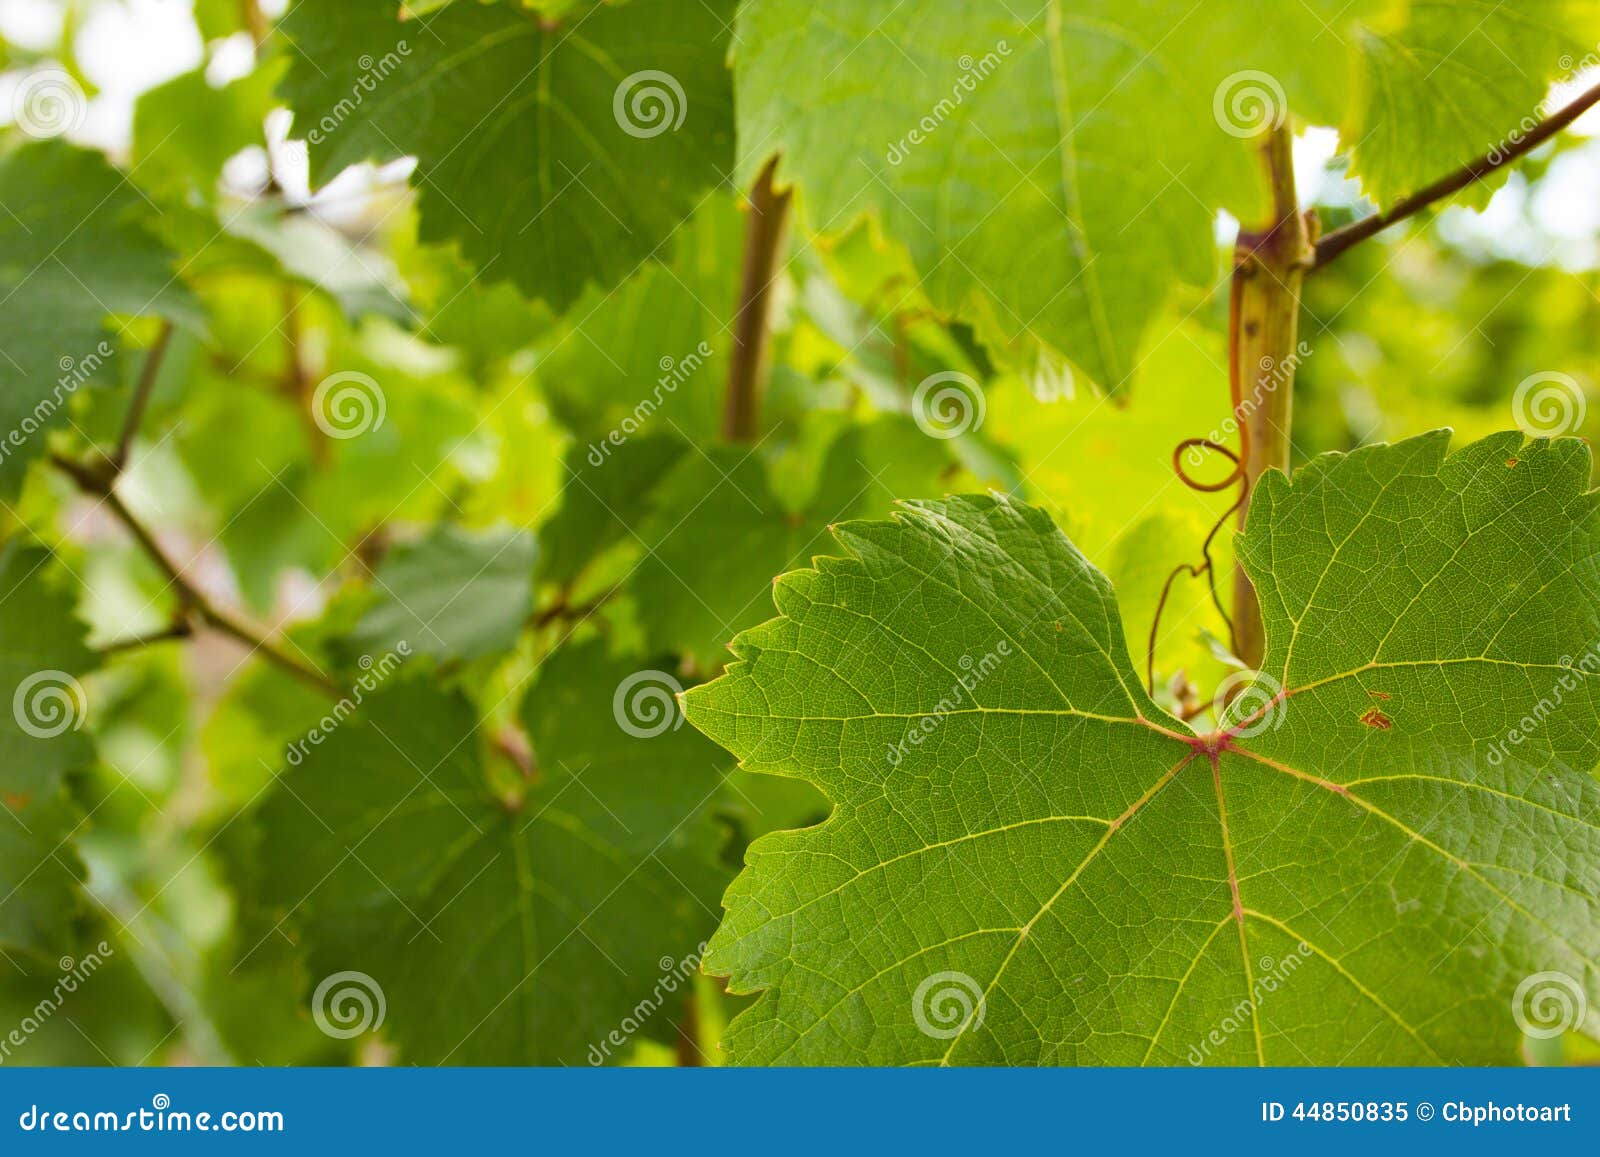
(1359, 870)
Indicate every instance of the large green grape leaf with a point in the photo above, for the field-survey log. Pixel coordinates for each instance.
(1028, 863)
(42, 654)
(555, 153)
(1055, 169)
(504, 928)
(75, 246)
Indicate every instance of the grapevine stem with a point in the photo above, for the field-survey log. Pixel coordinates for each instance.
(1263, 324)
(103, 486)
(148, 374)
(747, 367)
(1518, 145)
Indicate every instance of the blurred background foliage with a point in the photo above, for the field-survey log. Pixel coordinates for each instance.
(493, 403)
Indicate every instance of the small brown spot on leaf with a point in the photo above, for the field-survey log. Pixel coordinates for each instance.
(1510, 462)
(1379, 695)
(16, 801)
(1057, 625)
(1376, 718)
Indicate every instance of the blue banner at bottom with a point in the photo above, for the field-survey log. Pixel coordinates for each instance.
(782, 1111)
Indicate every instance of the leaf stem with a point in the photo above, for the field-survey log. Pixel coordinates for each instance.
(747, 367)
(1263, 349)
(141, 395)
(102, 485)
(1339, 240)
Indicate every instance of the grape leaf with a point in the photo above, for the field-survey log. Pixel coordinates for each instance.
(1055, 171)
(74, 247)
(693, 600)
(456, 594)
(605, 495)
(536, 926)
(1028, 863)
(652, 354)
(1451, 83)
(42, 653)
(542, 148)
